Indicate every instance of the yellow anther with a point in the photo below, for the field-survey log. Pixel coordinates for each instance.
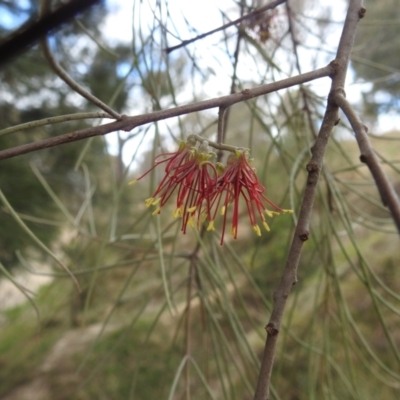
(191, 209)
(266, 226)
(191, 222)
(210, 226)
(257, 230)
(133, 182)
(156, 201)
(271, 213)
(238, 153)
(182, 145)
(149, 201)
(287, 211)
(223, 209)
(233, 231)
(178, 212)
(156, 211)
(220, 168)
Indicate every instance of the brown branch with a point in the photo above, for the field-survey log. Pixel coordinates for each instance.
(31, 32)
(269, 6)
(368, 156)
(221, 124)
(129, 123)
(289, 277)
(75, 86)
(60, 71)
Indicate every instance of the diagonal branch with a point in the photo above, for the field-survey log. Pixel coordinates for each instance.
(129, 123)
(368, 156)
(269, 6)
(289, 277)
(53, 120)
(31, 32)
(59, 70)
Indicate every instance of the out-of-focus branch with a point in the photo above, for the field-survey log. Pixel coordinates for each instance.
(289, 277)
(72, 83)
(59, 70)
(221, 125)
(368, 156)
(31, 32)
(224, 113)
(54, 120)
(269, 6)
(303, 92)
(129, 123)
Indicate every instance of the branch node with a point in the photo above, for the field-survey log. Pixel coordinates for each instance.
(363, 158)
(335, 67)
(366, 128)
(337, 121)
(304, 237)
(313, 172)
(245, 92)
(361, 12)
(312, 167)
(271, 329)
(336, 92)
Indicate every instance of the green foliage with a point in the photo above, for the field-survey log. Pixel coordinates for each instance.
(375, 56)
(160, 314)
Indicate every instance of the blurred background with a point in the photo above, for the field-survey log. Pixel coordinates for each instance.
(171, 316)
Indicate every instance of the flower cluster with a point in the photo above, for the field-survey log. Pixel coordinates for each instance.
(203, 190)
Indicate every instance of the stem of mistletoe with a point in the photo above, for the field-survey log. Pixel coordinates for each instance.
(218, 146)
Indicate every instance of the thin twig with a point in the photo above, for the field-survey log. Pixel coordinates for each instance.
(303, 92)
(221, 124)
(75, 86)
(54, 120)
(35, 239)
(221, 28)
(192, 266)
(215, 145)
(192, 277)
(368, 156)
(129, 123)
(224, 113)
(59, 70)
(95, 39)
(289, 277)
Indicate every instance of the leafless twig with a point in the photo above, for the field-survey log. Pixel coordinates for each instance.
(368, 156)
(54, 120)
(269, 6)
(59, 70)
(289, 277)
(129, 123)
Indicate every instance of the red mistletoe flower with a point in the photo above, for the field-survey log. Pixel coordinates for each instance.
(190, 173)
(240, 179)
(203, 189)
(197, 177)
